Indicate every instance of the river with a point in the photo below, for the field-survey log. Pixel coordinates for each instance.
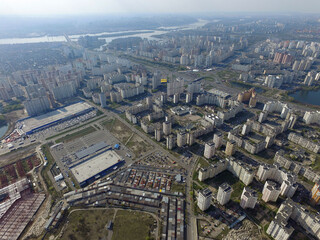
(3, 130)
(307, 96)
(140, 33)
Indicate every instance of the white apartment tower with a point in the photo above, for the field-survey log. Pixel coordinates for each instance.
(270, 192)
(204, 199)
(249, 198)
(217, 139)
(209, 150)
(224, 193)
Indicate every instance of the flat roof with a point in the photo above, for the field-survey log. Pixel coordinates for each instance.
(47, 118)
(219, 93)
(90, 150)
(95, 165)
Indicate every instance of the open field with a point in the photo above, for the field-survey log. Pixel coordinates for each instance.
(133, 225)
(76, 135)
(138, 145)
(118, 129)
(134, 142)
(92, 224)
(88, 224)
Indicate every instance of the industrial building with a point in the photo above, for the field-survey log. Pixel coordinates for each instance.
(95, 167)
(33, 124)
(18, 205)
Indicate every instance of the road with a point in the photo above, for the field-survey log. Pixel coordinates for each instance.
(190, 218)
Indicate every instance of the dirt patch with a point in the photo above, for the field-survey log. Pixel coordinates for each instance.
(118, 129)
(138, 145)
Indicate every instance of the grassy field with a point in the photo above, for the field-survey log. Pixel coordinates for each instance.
(133, 225)
(76, 135)
(178, 187)
(88, 224)
(203, 162)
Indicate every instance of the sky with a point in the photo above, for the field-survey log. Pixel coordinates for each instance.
(81, 7)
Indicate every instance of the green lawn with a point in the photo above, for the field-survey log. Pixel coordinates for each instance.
(88, 224)
(203, 162)
(178, 187)
(132, 225)
(76, 135)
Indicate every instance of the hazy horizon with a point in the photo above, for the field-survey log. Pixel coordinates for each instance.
(100, 7)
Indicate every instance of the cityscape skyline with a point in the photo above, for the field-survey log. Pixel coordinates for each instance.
(82, 7)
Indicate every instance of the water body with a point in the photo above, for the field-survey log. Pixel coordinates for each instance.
(305, 96)
(147, 35)
(3, 130)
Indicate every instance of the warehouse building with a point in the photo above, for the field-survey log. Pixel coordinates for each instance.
(96, 167)
(33, 124)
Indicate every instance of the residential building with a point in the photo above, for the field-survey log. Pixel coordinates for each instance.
(224, 193)
(204, 199)
(249, 198)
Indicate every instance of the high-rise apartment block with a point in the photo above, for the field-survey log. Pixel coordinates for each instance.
(270, 192)
(217, 139)
(209, 150)
(230, 148)
(249, 198)
(224, 193)
(36, 106)
(315, 193)
(204, 199)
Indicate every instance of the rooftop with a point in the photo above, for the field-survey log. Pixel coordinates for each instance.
(55, 115)
(95, 165)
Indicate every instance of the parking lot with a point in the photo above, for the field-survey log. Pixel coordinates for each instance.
(65, 153)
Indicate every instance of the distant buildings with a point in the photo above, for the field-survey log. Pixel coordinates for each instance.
(248, 96)
(276, 106)
(36, 106)
(224, 193)
(204, 199)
